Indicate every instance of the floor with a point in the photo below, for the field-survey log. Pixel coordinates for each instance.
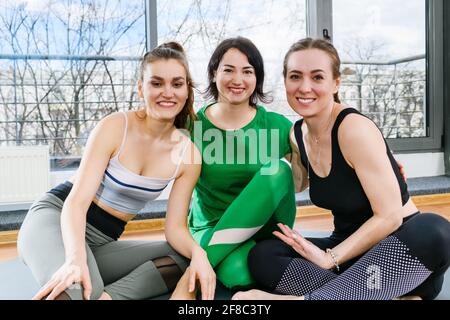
(320, 223)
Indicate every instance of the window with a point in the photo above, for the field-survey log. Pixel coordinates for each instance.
(200, 25)
(64, 65)
(383, 47)
(390, 65)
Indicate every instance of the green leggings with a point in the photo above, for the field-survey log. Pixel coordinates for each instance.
(267, 200)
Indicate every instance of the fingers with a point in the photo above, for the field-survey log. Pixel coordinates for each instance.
(292, 233)
(208, 287)
(204, 286)
(57, 291)
(45, 290)
(293, 241)
(286, 230)
(87, 286)
(212, 287)
(192, 276)
(285, 239)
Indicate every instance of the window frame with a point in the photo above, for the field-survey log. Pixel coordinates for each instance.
(446, 84)
(320, 17)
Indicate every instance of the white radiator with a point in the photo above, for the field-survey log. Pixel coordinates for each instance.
(24, 173)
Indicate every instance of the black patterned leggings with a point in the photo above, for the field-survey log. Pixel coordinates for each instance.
(411, 261)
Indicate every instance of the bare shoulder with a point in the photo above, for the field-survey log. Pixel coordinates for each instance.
(192, 158)
(109, 131)
(357, 129)
(360, 140)
(116, 119)
(193, 154)
(112, 124)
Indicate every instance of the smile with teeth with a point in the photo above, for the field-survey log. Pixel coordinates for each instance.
(306, 100)
(237, 90)
(166, 104)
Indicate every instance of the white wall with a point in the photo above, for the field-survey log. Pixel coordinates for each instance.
(422, 164)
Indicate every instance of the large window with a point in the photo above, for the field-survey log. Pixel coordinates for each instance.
(382, 45)
(64, 64)
(200, 25)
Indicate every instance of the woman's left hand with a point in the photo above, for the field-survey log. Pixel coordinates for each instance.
(201, 269)
(305, 248)
(402, 170)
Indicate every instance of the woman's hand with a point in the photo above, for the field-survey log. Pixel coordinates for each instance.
(201, 269)
(305, 248)
(70, 273)
(402, 170)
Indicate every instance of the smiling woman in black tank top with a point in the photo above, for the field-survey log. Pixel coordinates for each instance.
(377, 249)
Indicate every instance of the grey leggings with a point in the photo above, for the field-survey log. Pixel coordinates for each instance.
(132, 270)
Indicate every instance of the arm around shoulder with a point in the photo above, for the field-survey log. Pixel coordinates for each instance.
(298, 170)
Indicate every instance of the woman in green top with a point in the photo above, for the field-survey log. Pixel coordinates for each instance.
(244, 188)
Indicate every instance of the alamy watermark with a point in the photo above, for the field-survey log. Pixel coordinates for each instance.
(249, 147)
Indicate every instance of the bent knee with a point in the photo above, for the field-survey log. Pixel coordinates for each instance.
(260, 263)
(234, 274)
(278, 171)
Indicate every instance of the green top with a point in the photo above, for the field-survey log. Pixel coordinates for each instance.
(230, 160)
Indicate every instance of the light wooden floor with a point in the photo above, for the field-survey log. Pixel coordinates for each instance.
(321, 223)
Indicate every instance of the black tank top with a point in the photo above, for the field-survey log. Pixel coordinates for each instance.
(341, 191)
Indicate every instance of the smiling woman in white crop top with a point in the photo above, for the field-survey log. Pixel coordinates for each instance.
(69, 235)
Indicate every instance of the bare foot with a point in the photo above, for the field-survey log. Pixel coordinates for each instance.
(181, 291)
(262, 295)
(408, 298)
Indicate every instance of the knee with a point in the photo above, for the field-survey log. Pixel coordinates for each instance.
(438, 233)
(234, 273)
(278, 171)
(170, 270)
(259, 259)
(440, 238)
(432, 250)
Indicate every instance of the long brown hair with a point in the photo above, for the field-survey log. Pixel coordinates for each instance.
(321, 44)
(174, 50)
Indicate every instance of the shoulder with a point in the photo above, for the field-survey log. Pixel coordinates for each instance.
(275, 118)
(192, 158)
(356, 127)
(202, 110)
(359, 137)
(110, 127)
(114, 120)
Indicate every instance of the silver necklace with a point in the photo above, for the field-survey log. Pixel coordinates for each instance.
(317, 140)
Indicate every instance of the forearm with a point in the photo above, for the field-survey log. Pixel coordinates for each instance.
(368, 235)
(73, 228)
(181, 240)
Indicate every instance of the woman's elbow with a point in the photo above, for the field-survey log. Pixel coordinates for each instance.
(172, 232)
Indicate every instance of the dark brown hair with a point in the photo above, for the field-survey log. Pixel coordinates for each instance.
(173, 50)
(320, 44)
(255, 59)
